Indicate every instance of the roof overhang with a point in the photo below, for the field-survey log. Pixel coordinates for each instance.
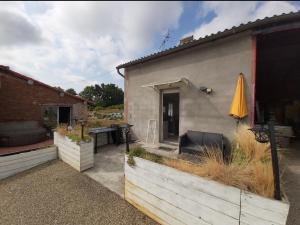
(7, 70)
(267, 22)
(182, 82)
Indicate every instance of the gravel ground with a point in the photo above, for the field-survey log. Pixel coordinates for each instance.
(54, 193)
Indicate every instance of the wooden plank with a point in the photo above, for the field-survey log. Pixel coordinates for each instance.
(24, 161)
(62, 140)
(72, 163)
(169, 209)
(69, 145)
(202, 198)
(225, 192)
(86, 155)
(81, 156)
(165, 188)
(263, 208)
(19, 166)
(27, 154)
(253, 220)
(6, 160)
(16, 171)
(79, 163)
(242, 223)
(265, 203)
(206, 214)
(71, 152)
(69, 148)
(255, 214)
(86, 166)
(150, 210)
(24, 158)
(69, 155)
(86, 160)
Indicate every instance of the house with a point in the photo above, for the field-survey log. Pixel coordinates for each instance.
(29, 109)
(191, 86)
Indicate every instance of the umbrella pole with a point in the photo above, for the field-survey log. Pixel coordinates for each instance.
(237, 130)
(237, 123)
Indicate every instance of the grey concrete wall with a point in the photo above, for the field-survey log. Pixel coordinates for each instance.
(215, 65)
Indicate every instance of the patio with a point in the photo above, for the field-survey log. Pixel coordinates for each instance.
(108, 168)
(54, 193)
(25, 148)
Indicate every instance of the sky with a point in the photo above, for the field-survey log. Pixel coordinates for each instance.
(75, 44)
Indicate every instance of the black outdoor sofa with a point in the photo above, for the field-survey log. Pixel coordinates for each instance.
(195, 142)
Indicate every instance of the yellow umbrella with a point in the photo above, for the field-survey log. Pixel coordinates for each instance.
(238, 107)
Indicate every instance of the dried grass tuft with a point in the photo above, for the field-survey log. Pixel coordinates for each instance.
(249, 167)
(245, 143)
(74, 133)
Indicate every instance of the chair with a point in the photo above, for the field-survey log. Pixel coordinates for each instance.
(194, 142)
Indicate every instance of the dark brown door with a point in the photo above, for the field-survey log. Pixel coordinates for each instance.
(171, 115)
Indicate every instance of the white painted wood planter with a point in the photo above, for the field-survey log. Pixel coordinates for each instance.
(170, 196)
(79, 156)
(13, 164)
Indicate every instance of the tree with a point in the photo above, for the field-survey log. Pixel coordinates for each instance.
(88, 93)
(59, 88)
(111, 95)
(71, 91)
(103, 94)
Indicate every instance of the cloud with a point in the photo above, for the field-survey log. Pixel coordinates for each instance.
(229, 14)
(16, 29)
(83, 39)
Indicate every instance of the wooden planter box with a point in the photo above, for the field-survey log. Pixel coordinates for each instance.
(170, 196)
(79, 156)
(13, 164)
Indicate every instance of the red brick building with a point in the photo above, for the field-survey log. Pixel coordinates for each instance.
(28, 108)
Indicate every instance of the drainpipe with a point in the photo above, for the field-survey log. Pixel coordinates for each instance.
(118, 70)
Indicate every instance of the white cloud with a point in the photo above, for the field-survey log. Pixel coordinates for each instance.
(229, 14)
(82, 41)
(16, 28)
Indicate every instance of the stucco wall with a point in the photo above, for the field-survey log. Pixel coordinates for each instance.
(215, 65)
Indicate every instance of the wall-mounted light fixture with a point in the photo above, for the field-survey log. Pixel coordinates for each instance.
(206, 90)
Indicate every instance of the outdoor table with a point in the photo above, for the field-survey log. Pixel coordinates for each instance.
(109, 131)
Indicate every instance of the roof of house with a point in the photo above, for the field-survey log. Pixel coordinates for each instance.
(267, 21)
(23, 77)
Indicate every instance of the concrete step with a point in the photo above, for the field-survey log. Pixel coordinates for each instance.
(168, 146)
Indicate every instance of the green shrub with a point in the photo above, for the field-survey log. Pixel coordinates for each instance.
(137, 152)
(120, 106)
(74, 134)
(142, 153)
(97, 108)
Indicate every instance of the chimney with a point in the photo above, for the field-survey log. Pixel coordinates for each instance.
(186, 40)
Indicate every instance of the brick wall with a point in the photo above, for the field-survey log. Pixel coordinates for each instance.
(20, 101)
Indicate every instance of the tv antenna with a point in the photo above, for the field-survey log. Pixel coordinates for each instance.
(166, 38)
